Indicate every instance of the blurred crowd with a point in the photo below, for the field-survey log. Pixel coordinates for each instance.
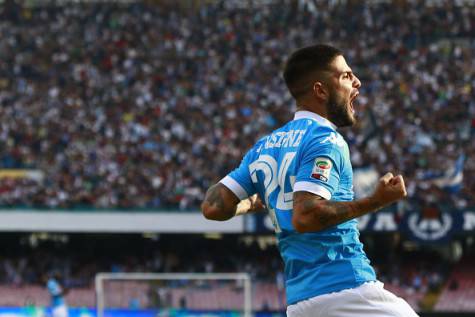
(142, 106)
(27, 261)
(80, 258)
(77, 258)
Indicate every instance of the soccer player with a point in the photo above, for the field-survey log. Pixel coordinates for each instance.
(302, 172)
(57, 292)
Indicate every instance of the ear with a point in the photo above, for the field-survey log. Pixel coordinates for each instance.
(320, 91)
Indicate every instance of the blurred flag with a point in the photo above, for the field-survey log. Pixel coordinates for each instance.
(451, 179)
(364, 181)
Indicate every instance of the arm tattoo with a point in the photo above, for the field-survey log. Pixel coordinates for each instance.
(332, 212)
(318, 214)
(220, 203)
(214, 196)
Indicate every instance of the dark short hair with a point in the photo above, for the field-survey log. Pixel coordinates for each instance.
(304, 64)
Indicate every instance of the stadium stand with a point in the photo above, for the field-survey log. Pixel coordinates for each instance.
(132, 105)
(411, 275)
(459, 291)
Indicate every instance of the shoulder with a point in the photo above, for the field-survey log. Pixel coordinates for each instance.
(258, 146)
(323, 142)
(324, 136)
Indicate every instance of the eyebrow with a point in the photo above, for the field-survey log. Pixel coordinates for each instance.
(350, 72)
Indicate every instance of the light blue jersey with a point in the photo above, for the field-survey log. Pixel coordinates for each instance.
(306, 154)
(55, 290)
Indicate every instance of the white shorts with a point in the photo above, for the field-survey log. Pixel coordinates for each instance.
(60, 311)
(368, 300)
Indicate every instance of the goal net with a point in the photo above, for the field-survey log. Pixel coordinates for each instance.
(173, 294)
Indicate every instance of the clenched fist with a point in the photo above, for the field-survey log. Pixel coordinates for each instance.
(389, 190)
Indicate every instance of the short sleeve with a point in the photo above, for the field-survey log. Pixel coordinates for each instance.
(239, 180)
(319, 170)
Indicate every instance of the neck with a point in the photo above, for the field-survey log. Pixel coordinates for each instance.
(312, 108)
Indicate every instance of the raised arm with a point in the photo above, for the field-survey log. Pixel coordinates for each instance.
(312, 213)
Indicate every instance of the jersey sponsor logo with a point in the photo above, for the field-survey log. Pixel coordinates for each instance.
(321, 169)
(335, 139)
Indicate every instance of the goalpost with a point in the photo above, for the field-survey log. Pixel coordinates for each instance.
(190, 283)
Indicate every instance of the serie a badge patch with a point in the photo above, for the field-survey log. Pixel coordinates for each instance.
(321, 169)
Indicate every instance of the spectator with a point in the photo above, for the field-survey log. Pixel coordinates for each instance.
(124, 105)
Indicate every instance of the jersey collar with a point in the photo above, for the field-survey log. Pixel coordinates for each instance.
(303, 114)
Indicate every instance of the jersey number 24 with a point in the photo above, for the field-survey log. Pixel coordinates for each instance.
(275, 177)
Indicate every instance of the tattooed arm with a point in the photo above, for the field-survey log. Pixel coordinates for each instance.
(220, 203)
(312, 213)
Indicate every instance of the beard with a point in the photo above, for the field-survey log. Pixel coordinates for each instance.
(339, 112)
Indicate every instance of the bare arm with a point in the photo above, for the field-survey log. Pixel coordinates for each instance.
(221, 203)
(312, 213)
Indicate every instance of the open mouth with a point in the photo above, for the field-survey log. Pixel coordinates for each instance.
(352, 100)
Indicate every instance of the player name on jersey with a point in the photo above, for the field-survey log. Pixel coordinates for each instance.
(290, 138)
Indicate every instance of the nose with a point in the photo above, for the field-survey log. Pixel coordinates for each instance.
(356, 82)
